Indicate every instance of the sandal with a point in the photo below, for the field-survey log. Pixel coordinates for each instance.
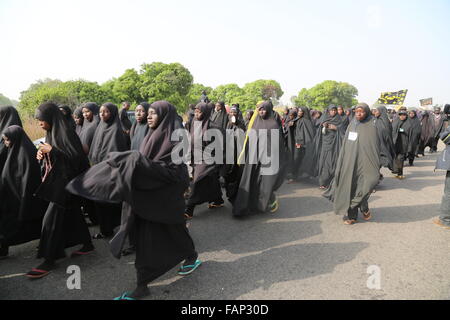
(367, 216)
(215, 205)
(125, 297)
(37, 273)
(187, 216)
(274, 206)
(349, 222)
(186, 270)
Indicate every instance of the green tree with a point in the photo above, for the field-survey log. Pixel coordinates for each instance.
(194, 94)
(4, 101)
(228, 93)
(171, 82)
(127, 87)
(259, 90)
(326, 93)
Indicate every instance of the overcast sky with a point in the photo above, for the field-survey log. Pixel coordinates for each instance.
(375, 45)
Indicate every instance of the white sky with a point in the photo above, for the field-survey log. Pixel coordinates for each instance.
(375, 45)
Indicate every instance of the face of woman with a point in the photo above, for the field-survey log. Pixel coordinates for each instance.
(291, 116)
(87, 114)
(300, 113)
(140, 113)
(333, 112)
(233, 113)
(152, 118)
(78, 121)
(348, 112)
(340, 111)
(105, 114)
(360, 114)
(44, 125)
(402, 117)
(218, 107)
(6, 141)
(377, 113)
(412, 115)
(198, 115)
(262, 113)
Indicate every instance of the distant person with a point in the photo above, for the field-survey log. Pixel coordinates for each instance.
(8, 117)
(67, 112)
(438, 119)
(416, 132)
(427, 133)
(204, 98)
(443, 163)
(79, 120)
(124, 119)
(401, 134)
(190, 117)
(219, 116)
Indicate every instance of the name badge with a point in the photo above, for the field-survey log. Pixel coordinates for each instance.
(402, 130)
(352, 136)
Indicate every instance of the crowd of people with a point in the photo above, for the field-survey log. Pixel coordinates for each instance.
(96, 167)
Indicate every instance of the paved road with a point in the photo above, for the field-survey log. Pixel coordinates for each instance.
(302, 252)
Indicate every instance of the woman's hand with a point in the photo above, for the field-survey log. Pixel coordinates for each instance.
(45, 148)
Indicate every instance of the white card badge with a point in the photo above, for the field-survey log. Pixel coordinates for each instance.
(352, 136)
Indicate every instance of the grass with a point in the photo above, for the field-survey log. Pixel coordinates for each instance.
(31, 127)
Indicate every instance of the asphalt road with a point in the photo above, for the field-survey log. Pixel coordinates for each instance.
(302, 252)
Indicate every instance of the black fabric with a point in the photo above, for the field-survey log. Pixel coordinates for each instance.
(219, 119)
(256, 191)
(8, 117)
(151, 188)
(357, 169)
(20, 212)
(427, 133)
(109, 137)
(384, 132)
(67, 114)
(401, 135)
(67, 158)
(205, 186)
(304, 135)
(416, 132)
(78, 113)
(139, 129)
(89, 127)
(125, 120)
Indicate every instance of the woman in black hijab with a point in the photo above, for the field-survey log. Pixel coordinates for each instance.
(401, 135)
(290, 127)
(79, 120)
(304, 139)
(140, 126)
(205, 186)
(67, 113)
(384, 131)
(231, 172)
(261, 177)
(91, 119)
(248, 117)
(151, 186)
(109, 137)
(63, 159)
(219, 116)
(357, 169)
(20, 212)
(416, 132)
(328, 142)
(8, 117)
(427, 133)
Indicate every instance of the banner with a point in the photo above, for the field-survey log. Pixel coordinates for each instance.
(394, 98)
(426, 102)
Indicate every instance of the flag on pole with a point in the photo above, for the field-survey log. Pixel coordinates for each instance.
(426, 102)
(394, 98)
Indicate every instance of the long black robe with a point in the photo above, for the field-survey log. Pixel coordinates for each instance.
(256, 191)
(219, 119)
(89, 127)
(78, 113)
(8, 117)
(427, 134)
(151, 187)
(139, 130)
(109, 137)
(21, 212)
(304, 135)
(401, 136)
(327, 146)
(205, 186)
(63, 224)
(384, 132)
(416, 132)
(125, 120)
(358, 166)
(67, 114)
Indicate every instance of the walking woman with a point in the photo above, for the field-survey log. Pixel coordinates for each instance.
(205, 186)
(8, 117)
(63, 159)
(416, 132)
(109, 137)
(261, 177)
(20, 212)
(304, 138)
(401, 135)
(152, 188)
(357, 169)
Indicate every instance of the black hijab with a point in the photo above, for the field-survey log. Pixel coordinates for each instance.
(67, 113)
(305, 129)
(8, 117)
(89, 128)
(21, 175)
(109, 137)
(78, 113)
(139, 129)
(220, 119)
